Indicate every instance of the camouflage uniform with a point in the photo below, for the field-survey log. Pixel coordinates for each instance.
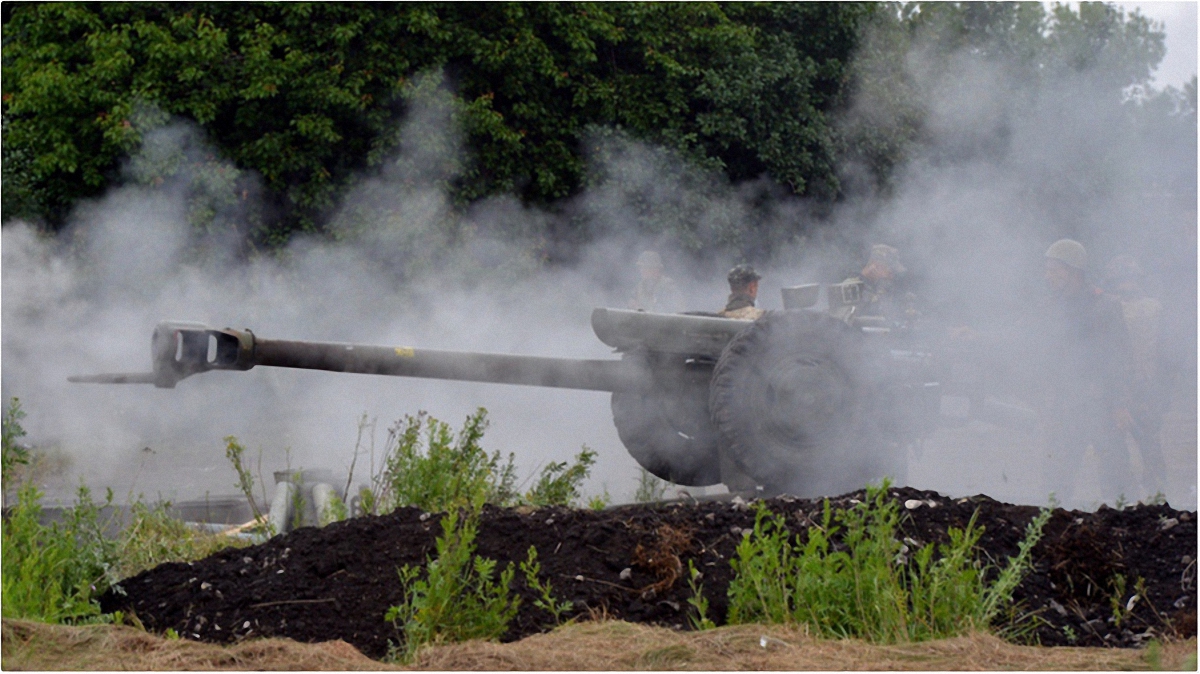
(741, 302)
(879, 300)
(1143, 318)
(1085, 370)
(741, 305)
(880, 297)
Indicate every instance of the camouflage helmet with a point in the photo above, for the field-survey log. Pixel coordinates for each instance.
(1069, 252)
(742, 275)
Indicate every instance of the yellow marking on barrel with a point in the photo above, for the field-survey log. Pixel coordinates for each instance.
(405, 351)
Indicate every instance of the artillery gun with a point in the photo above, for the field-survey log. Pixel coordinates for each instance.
(798, 400)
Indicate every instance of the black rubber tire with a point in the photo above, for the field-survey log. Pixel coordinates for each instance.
(790, 400)
(666, 428)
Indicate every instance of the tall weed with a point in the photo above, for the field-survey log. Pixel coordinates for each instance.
(427, 466)
(560, 483)
(459, 598)
(853, 578)
(545, 591)
(53, 573)
(154, 537)
(650, 488)
(12, 453)
(234, 451)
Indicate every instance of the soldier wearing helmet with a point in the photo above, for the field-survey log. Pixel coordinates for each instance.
(655, 291)
(1150, 398)
(880, 293)
(743, 291)
(1085, 369)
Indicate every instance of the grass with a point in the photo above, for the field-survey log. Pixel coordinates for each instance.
(153, 537)
(649, 488)
(52, 573)
(603, 646)
(852, 578)
(621, 646)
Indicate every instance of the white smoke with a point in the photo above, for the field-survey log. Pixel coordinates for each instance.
(972, 216)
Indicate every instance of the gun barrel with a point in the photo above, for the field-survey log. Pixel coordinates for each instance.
(591, 375)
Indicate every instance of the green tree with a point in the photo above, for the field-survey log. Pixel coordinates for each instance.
(308, 96)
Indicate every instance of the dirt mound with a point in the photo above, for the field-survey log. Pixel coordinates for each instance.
(627, 563)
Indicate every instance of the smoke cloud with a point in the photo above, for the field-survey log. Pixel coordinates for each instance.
(1006, 170)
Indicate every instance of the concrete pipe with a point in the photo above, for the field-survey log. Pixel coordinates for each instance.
(283, 506)
(323, 497)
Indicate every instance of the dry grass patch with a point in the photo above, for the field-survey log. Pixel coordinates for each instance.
(601, 645)
(615, 645)
(37, 646)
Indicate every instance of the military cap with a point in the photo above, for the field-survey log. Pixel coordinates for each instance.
(1069, 252)
(742, 274)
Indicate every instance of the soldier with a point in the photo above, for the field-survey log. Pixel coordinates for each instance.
(743, 291)
(1084, 370)
(1143, 316)
(879, 282)
(655, 291)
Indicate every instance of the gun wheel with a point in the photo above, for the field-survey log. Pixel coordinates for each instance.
(666, 427)
(789, 400)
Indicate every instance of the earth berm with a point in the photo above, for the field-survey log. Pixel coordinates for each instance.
(629, 563)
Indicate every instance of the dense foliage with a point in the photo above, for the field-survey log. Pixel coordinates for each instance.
(307, 95)
(303, 101)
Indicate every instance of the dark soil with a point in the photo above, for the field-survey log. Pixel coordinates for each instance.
(338, 582)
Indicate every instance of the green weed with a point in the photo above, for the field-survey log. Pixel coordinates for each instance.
(299, 504)
(545, 601)
(334, 511)
(559, 483)
(649, 488)
(234, 451)
(999, 593)
(53, 573)
(154, 537)
(459, 597)
(599, 501)
(853, 578)
(700, 620)
(12, 453)
(427, 466)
